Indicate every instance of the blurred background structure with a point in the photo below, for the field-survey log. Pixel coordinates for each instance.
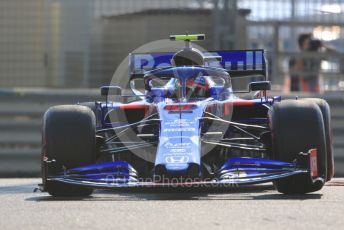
(50, 46)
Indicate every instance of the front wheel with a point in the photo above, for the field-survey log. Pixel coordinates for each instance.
(326, 113)
(68, 138)
(297, 126)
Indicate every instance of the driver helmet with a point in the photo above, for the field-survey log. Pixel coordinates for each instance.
(198, 87)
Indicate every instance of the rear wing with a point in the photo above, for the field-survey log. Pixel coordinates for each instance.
(238, 63)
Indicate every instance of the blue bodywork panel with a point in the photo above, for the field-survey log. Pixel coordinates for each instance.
(180, 144)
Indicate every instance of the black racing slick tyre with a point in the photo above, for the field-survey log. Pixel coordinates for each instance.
(326, 113)
(90, 104)
(69, 138)
(297, 126)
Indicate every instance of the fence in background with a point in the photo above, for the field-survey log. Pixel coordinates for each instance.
(79, 43)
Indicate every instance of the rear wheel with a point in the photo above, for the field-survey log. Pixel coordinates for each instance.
(90, 104)
(297, 126)
(69, 138)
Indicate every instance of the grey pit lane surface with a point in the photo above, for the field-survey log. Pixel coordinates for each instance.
(254, 207)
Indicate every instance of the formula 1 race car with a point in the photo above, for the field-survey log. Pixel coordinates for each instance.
(188, 128)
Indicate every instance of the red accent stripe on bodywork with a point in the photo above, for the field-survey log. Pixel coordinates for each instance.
(179, 107)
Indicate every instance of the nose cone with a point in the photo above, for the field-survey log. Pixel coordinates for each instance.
(179, 150)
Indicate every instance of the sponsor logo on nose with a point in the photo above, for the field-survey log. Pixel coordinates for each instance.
(176, 159)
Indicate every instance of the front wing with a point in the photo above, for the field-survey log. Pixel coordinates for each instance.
(234, 172)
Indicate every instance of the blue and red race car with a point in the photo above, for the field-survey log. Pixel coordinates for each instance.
(188, 128)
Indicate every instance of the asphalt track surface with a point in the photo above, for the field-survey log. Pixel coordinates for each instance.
(253, 207)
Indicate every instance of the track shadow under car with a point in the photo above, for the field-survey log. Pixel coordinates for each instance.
(253, 192)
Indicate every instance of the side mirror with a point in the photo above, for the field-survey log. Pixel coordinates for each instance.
(111, 90)
(259, 85)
